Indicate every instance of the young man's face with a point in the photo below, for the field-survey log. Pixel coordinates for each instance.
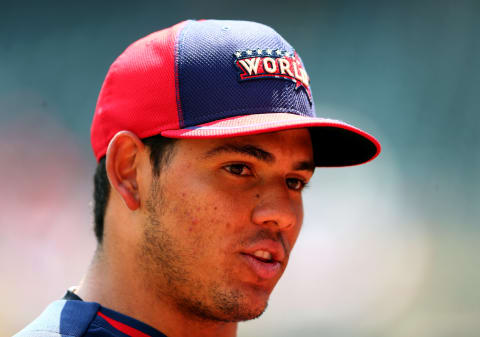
(221, 221)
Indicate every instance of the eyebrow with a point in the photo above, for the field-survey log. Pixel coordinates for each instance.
(249, 150)
(258, 153)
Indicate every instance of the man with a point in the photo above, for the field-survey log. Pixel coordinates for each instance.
(205, 135)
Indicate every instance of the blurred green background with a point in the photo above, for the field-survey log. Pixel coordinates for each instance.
(388, 249)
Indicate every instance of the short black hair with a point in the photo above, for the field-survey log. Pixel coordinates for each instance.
(161, 149)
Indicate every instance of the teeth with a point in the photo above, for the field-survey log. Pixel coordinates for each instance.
(263, 254)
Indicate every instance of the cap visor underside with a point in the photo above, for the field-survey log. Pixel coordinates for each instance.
(335, 143)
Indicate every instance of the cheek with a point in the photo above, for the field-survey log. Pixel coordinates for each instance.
(200, 220)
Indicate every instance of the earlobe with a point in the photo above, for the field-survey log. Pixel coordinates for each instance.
(122, 163)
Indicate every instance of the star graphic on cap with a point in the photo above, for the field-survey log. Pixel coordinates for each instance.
(279, 52)
(238, 54)
(287, 54)
(269, 51)
(259, 51)
(249, 52)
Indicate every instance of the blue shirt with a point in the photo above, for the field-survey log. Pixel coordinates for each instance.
(72, 317)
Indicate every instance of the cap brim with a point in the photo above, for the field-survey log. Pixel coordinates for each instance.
(335, 143)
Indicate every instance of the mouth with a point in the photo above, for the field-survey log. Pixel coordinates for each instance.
(263, 256)
(265, 262)
(263, 268)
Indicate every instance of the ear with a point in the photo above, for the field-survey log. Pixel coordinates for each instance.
(122, 165)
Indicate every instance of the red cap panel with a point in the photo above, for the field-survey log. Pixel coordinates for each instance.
(140, 90)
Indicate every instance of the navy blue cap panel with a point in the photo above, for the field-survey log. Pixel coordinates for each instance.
(209, 76)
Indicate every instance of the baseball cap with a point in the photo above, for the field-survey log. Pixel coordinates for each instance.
(219, 78)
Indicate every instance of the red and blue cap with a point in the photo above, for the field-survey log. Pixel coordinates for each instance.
(216, 78)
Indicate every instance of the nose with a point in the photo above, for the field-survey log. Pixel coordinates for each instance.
(277, 208)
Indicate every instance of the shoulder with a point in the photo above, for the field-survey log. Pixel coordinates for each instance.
(62, 318)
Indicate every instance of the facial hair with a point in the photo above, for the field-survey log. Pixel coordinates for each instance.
(168, 271)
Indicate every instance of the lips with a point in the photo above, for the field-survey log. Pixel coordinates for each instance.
(264, 270)
(265, 258)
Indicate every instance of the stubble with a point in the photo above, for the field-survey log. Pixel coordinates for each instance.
(168, 272)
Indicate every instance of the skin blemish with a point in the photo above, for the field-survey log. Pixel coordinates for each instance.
(257, 196)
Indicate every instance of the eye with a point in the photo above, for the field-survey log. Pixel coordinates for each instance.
(238, 169)
(295, 184)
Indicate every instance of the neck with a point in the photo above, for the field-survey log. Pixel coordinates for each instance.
(113, 281)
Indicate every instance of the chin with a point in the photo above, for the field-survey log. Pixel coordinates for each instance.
(243, 313)
(253, 314)
(227, 310)
(242, 306)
